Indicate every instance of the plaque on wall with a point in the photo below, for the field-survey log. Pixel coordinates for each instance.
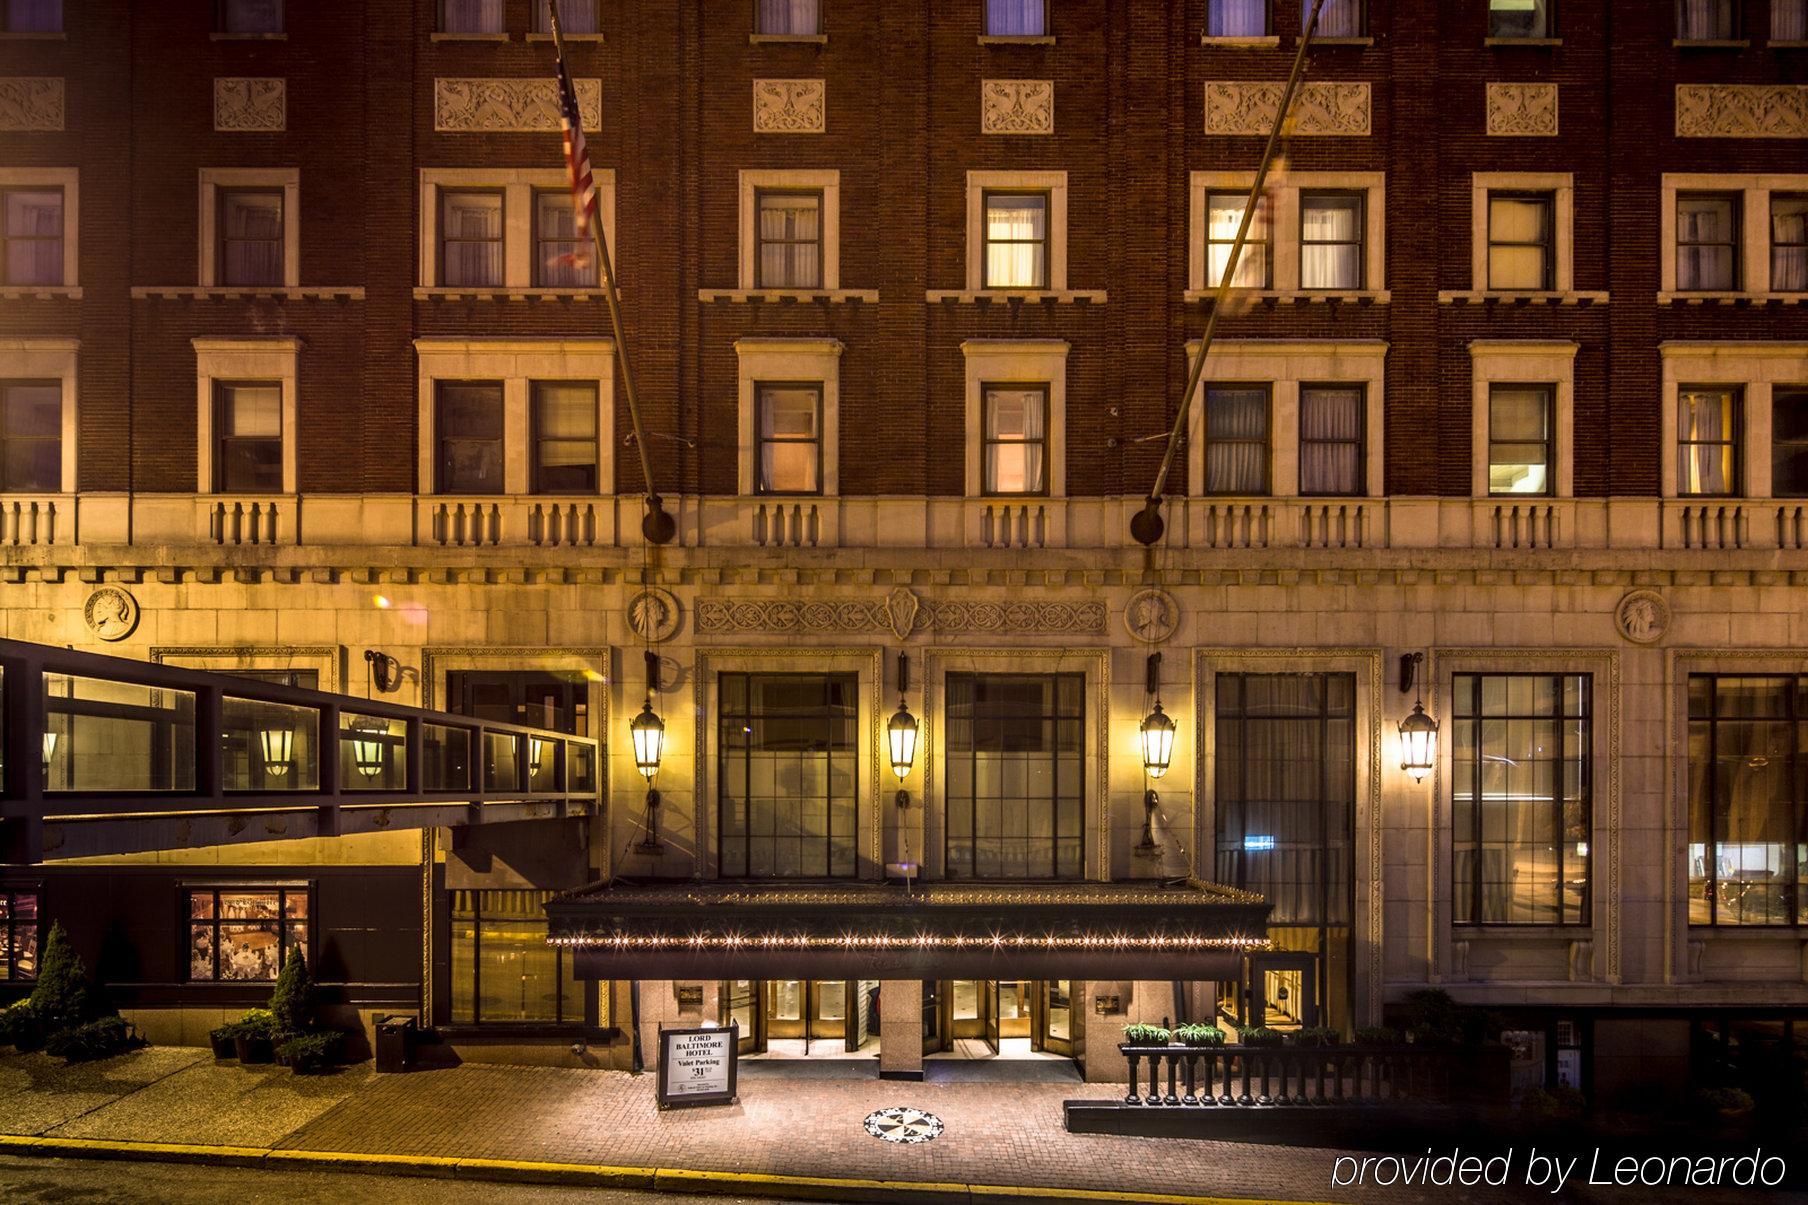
(1106, 1005)
(690, 995)
(698, 1066)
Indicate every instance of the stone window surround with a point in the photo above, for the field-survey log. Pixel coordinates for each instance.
(268, 358)
(213, 179)
(1284, 228)
(1285, 365)
(1753, 367)
(932, 745)
(44, 360)
(69, 180)
(829, 184)
(1754, 190)
(1016, 361)
(872, 806)
(1562, 186)
(763, 360)
(516, 363)
(1549, 362)
(518, 186)
(324, 659)
(978, 185)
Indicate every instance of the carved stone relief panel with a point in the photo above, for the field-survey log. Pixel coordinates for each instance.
(31, 103)
(1017, 106)
(256, 105)
(1522, 110)
(1742, 110)
(790, 106)
(510, 106)
(1332, 108)
(900, 614)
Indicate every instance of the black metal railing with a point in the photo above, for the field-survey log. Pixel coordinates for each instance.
(1242, 1076)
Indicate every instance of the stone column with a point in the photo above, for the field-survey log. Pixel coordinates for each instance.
(658, 1010)
(901, 1029)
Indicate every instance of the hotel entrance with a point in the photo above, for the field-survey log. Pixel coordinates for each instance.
(998, 1018)
(804, 1018)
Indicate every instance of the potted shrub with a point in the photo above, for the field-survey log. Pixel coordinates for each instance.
(1199, 1035)
(292, 1000)
(98, 1039)
(21, 1029)
(223, 1040)
(1261, 1035)
(311, 1053)
(254, 1037)
(1317, 1036)
(1377, 1035)
(1146, 1035)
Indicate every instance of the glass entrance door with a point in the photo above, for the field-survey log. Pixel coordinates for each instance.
(738, 996)
(812, 1009)
(935, 1032)
(1052, 1022)
(784, 1000)
(1016, 1002)
(1283, 990)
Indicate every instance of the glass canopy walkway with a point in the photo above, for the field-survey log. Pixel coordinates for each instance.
(104, 755)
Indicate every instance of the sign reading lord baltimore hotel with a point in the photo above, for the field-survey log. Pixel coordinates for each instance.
(1238, 566)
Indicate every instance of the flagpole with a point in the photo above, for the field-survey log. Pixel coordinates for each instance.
(658, 526)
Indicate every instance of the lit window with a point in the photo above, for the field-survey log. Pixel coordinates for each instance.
(1520, 241)
(504, 971)
(251, 236)
(474, 16)
(468, 428)
(31, 436)
(1519, 439)
(564, 429)
(1519, 18)
(561, 259)
(1707, 242)
(1338, 18)
(789, 767)
(575, 16)
(1789, 242)
(1331, 229)
(244, 935)
(1789, 443)
(251, 16)
(1788, 21)
(1015, 456)
(788, 226)
(470, 231)
(18, 934)
(1238, 18)
(788, 18)
(1746, 799)
(1330, 439)
(32, 236)
(1016, 18)
(32, 16)
(1016, 237)
(1015, 790)
(1706, 20)
(1707, 441)
(788, 458)
(249, 459)
(1236, 439)
(1223, 214)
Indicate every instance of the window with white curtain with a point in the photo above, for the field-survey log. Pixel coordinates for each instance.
(1236, 439)
(1520, 799)
(1519, 18)
(788, 227)
(1707, 241)
(251, 16)
(1789, 242)
(575, 16)
(1707, 441)
(1331, 422)
(474, 16)
(1237, 18)
(1016, 237)
(31, 436)
(250, 225)
(470, 237)
(788, 18)
(32, 16)
(1520, 241)
(1223, 215)
(1707, 20)
(1014, 459)
(1789, 21)
(564, 437)
(1331, 229)
(1016, 18)
(1520, 427)
(1338, 18)
(788, 431)
(31, 236)
(561, 259)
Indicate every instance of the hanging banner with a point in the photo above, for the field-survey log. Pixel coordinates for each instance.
(698, 1066)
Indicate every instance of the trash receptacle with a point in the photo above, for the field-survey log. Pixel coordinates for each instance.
(395, 1042)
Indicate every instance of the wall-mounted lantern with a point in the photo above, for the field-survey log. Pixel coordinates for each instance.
(1418, 731)
(901, 733)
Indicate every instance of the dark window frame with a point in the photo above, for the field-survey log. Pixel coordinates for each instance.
(1732, 33)
(222, 441)
(1360, 442)
(1258, 225)
(1779, 395)
(819, 31)
(6, 26)
(1045, 243)
(1548, 392)
(1734, 438)
(1550, 26)
(1548, 273)
(1206, 440)
(1267, 20)
(971, 801)
(1777, 245)
(441, 195)
(223, 23)
(760, 440)
(12, 926)
(542, 23)
(1360, 242)
(221, 195)
(1362, 22)
(987, 442)
(283, 921)
(540, 240)
(1736, 244)
(62, 239)
(760, 242)
(985, 23)
(6, 439)
(441, 440)
(536, 438)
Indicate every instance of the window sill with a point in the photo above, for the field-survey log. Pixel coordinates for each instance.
(1362, 41)
(1787, 44)
(512, 1033)
(1721, 298)
(784, 39)
(247, 37)
(1016, 39)
(1522, 41)
(1270, 42)
(570, 37)
(1017, 296)
(474, 294)
(39, 292)
(60, 36)
(440, 36)
(1299, 296)
(788, 295)
(1516, 297)
(250, 293)
(1712, 43)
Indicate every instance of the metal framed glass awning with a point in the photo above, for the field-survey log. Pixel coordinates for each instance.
(711, 930)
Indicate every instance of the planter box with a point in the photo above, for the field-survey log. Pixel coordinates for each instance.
(224, 1049)
(256, 1050)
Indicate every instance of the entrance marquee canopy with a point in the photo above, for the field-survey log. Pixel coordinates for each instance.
(706, 930)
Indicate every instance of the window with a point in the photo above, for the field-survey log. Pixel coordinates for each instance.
(251, 236)
(474, 16)
(1520, 241)
(788, 459)
(1016, 18)
(18, 934)
(32, 16)
(1788, 21)
(1016, 760)
(1236, 439)
(788, 225)
(1707, 242)
(1789, 442)
(1707, 20)
(31, 436)
(244, 934)
(251, 16)
(1520, 803)
(469, 427)
(1223, 215)
(788, 18)
(1331, 423)
(1338, 18)
(1016, 240)
(551, 699)
(504, 972)
(1331, 228)
(1746, 856)
(1707, 441)
(1238, 18)
(470, 238)
(561, 259)
(248, 424)
(1789, 242)
(1519, 439)
(1519, 18)
(1015, 457)
(575, 17)
(564, 434)
(301, 679)
(790, 763)
(32, 236)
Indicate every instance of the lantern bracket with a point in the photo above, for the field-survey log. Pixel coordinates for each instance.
(1409, 664)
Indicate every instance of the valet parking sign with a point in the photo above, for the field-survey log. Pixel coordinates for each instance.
(698, 1066)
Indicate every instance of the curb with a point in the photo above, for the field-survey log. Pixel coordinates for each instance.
(590, 1175)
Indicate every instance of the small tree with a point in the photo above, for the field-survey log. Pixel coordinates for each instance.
(64, 996)
(292, 1002)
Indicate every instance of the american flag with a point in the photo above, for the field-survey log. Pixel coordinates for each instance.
(577, 166)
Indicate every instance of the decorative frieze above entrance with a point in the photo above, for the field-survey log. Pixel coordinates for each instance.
(250, 105)
(901, 613)
(1017, 106)
(1742, 110)
(510, 106)
(1319, 109)
(31, 103)
(790, 106)
(1522, 110)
